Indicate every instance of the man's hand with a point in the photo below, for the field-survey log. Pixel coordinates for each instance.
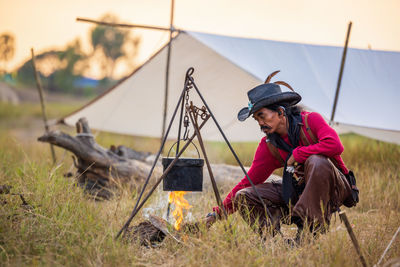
(291, 161)
(210, 219)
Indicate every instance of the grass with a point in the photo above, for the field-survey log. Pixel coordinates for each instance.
(67, 228)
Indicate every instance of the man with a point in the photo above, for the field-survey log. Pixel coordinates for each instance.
(314, 183)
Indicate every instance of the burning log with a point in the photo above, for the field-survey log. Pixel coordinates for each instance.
(99, 170)
(151, 232)
(145, 233)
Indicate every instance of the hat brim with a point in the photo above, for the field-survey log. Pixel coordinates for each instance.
(291, 98)
(243, 114)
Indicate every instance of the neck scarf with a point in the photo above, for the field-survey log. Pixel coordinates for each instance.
(294, 120)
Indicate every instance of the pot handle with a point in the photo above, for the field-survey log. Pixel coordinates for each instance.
(198, 153)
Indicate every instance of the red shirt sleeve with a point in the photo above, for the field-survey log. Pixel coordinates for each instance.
(263, 165)
(328, 140)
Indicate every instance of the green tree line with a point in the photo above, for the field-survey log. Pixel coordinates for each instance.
(63, 70)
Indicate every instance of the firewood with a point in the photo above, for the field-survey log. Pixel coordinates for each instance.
(145, 233)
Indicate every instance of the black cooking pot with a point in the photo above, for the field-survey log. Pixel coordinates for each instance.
(185, 175)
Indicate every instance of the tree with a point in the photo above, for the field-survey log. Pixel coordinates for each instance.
(46, 63)
(58, 68)
(63, 78)
(62, 70)
(111, 43)
(7, 48)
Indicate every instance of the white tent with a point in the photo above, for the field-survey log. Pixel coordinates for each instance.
(227, 67)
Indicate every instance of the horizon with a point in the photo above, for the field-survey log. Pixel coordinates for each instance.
(375, 26)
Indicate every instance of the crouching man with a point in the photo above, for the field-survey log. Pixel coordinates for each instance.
(315, 179)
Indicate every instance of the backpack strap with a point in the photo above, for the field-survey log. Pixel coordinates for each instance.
(274, 151)
(310, 133)
(313, 138)
(303, 136)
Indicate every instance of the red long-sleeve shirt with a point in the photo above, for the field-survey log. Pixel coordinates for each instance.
(265, 163)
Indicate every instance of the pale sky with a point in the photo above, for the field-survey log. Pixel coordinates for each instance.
(45, 24)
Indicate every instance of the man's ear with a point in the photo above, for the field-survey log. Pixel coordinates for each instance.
(281, 111)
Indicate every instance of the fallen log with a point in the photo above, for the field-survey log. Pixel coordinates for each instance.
(100, 170)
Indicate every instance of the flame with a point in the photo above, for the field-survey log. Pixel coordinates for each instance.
(180, 203)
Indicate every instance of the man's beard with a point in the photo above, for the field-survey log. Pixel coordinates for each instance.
(265, 127)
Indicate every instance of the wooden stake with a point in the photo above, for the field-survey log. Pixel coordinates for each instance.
(343, 217)
(42, 102)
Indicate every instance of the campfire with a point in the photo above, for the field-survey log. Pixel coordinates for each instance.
(152, 232)
(180, 204)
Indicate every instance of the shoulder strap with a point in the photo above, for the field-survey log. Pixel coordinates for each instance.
(313, 138)
(310, 133)
(303, 136)
(274, 151)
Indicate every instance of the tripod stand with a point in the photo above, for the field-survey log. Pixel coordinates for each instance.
(198, 117)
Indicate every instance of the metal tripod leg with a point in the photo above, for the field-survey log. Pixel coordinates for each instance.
(214, 184)
(200, 139)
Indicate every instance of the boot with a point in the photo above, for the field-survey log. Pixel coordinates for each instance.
(295, 242)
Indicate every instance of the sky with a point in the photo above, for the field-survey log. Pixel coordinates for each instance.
(46, 24)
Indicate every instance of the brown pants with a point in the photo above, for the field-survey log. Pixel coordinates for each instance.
(326, 189)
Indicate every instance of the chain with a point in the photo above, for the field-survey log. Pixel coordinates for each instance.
(186, 117)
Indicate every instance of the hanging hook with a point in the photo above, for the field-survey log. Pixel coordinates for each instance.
(186, 125)
(189, 72)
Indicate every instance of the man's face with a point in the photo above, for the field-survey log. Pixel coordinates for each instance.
(268, 120)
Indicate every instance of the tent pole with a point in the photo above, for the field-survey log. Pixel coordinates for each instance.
(122, 25)
(171, 21)
(42, 103)
(340, 73)
(171, 30)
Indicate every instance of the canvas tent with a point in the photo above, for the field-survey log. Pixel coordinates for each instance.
(227, 67)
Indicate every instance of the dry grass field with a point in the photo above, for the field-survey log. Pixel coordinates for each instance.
(66, 227)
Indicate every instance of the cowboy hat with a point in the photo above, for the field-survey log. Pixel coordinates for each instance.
(265, 95)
